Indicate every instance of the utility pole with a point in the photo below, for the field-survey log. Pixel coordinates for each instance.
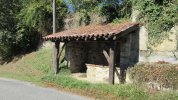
(54, 16)
(56, 44)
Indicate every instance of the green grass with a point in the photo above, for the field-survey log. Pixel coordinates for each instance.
(36, 68)
(171, 95)
(130, 92)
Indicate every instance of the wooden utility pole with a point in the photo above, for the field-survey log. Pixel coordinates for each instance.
(54, 16)
(56, 46)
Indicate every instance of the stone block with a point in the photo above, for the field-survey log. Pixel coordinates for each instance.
(99, 74)
(143, 38)
(169, 44)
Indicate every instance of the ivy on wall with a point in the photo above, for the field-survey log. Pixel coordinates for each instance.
(159, 16)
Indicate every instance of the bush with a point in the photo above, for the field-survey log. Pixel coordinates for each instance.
(162, 73)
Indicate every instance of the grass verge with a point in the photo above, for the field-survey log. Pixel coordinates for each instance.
(35, 67)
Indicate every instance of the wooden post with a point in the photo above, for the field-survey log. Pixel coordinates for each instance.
(118, 47)
(56, 57)
(112, 63)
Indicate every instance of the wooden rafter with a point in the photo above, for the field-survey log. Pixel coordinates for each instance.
(106, 55)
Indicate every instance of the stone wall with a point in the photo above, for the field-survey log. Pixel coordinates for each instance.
(95, 52)
(76, 56)
(81, 53)
(166, 51)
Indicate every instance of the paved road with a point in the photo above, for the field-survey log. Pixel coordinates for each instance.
(17, 90)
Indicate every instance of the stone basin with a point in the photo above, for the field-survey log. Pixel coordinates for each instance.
(99, 73)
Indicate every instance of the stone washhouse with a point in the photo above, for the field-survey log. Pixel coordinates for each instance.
(115, 46)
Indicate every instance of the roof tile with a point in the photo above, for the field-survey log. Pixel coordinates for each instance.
(96, 31)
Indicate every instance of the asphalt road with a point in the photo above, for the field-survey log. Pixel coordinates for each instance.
(17, 90)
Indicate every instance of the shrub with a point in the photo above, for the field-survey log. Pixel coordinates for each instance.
(164, 74)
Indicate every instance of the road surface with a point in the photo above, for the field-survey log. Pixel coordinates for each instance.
(17, 90)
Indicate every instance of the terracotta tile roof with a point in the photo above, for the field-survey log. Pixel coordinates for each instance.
(94, 32)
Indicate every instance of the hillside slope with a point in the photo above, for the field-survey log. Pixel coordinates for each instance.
(26, 67)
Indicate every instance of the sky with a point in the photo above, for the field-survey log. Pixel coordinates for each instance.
(69, 6)
(71, 9)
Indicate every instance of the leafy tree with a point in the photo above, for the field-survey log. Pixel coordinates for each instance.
(115, 9)
(22, 22)
(38, 14)
(8, 11)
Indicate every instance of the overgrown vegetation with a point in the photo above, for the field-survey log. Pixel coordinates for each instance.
(159, 16)
(23, 22)
(164, 74)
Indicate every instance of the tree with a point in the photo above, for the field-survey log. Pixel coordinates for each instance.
(22, 22)
(38, 14)
(8, 11)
